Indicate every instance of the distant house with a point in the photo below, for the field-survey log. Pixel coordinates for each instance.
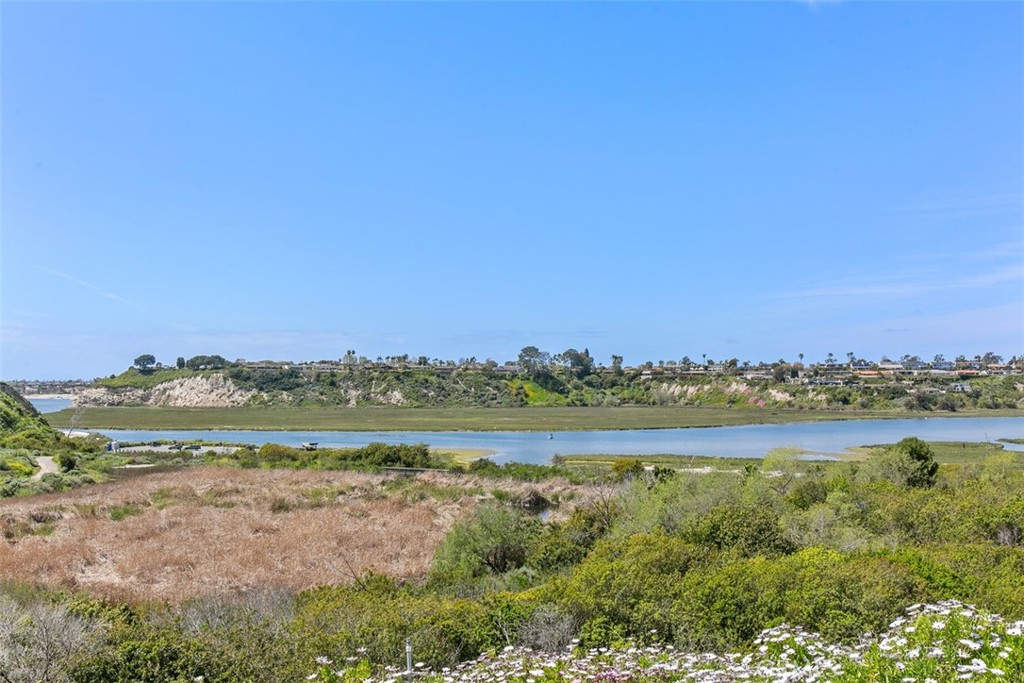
(268, 365)
(834, 369)
(889, 367)
(757, 374)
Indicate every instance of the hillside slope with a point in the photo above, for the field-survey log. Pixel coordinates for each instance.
(201, 390)
(417, 387)
(21, 425)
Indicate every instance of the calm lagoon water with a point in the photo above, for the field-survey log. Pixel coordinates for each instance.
(50, 405)
(822, 439)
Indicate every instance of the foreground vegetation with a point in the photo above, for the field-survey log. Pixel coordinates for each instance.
(702, 562)
(940, 643)
(628, 569)
(936, 642)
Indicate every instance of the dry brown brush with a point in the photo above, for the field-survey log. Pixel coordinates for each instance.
(210, 531)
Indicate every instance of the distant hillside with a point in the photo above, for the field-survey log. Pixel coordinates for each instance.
(416, 386)
(177, 388)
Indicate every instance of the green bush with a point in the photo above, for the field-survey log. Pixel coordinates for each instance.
(625, 469)
(374, 616)
(625, 588)
(18, 466)
(487, 543)
(266, 380)
(727, 603)
(748, 529)
(843, 596)
(520, 471)
(66, 461)
(563, 545)
(910, 463)
(144, 653)
(372, 456)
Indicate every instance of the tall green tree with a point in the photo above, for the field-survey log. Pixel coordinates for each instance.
(206, 362)
(578, 364)
(533, 361)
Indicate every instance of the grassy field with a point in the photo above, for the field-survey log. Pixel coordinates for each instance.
(461, 419)
(950, 452)
(462, 456)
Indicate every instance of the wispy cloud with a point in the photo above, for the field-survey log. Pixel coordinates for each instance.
(269, 340)
(1006, 250)
(88, 285)
(19, 313)
(814, 4)
(910, 284)
(498, 336)
(973, 269)
(948, 209)
(982, 327)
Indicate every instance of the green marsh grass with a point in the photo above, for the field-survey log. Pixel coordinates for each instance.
(951, 452)
(552, 419)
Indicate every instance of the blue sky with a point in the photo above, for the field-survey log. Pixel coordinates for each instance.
(289, 181)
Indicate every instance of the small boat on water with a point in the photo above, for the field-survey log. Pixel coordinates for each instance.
(310, 445)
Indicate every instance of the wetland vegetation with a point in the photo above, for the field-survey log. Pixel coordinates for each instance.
(382, 418)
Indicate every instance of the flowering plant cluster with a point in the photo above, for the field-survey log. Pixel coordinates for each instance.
(933, 643)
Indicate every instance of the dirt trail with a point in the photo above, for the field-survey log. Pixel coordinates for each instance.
(47, 465)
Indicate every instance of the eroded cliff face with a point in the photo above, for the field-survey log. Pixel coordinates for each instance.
(201, 391)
